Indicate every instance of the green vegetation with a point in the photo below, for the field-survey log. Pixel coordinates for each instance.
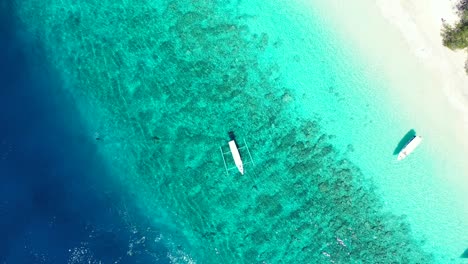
(456, 37)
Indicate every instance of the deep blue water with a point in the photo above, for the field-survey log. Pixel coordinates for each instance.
(58, 203)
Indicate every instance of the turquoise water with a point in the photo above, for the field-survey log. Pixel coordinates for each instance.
(161, 83)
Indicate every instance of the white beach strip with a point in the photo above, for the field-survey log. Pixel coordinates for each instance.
(420, 22)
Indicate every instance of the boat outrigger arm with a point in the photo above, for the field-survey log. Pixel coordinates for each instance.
(234, 150)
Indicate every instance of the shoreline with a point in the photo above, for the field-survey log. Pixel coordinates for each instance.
(444, 101)
(427, 88)
(420, 23)
(443, 104)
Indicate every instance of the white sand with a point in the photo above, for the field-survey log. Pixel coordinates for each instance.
(419, 22)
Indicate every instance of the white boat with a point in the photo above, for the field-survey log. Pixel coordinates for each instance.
(234, 150)
(410, 146)
(236, 156)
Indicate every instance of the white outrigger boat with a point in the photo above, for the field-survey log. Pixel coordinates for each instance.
(410, 146)
(236, 156)
(234, 150)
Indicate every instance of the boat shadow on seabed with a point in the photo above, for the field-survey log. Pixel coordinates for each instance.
(406, 138)
(465, 254)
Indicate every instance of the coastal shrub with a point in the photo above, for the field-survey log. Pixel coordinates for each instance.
(462, 6)
(456, 37)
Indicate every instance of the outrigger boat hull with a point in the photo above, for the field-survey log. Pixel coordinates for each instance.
(236, 156)
(412, 144)
(234, 150)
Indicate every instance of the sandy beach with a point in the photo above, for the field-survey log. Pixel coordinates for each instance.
(420, 23)
(409, 28)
